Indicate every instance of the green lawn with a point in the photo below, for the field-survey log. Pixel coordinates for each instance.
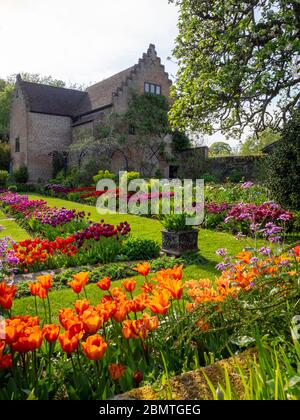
(209, 242)
(11, 228)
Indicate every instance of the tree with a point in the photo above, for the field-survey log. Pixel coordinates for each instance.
(5, 102)
(238, 65)
(254, 144)
(283, 165)
(220, 148)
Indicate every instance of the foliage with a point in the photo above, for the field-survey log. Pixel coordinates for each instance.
(235, 176)
(220, 148)
(208, 178)
(175, 222)
(254, 144)
(160, 325)
(148, 113)
(238, 64)
(21, 174)
(3, 178)
(272, 375)
(4, 156)
(283, 165)
(180, 141)
(6, 91)
(129, 176)
(103, 175)
(140, 249)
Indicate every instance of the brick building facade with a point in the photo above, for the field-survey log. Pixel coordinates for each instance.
(46, 119)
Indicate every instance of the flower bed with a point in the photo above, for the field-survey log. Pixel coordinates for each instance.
(135, 332)
(65, 237)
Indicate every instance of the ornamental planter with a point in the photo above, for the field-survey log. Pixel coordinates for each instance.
(177, 243)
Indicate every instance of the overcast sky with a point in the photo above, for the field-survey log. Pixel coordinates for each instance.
(83, 41)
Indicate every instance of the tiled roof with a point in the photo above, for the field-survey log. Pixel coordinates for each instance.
(101, 93)
(52, 100)
(74, 103)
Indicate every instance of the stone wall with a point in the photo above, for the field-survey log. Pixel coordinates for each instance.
(149, 69)
(46, 134)
(235, 167)
(194, 163)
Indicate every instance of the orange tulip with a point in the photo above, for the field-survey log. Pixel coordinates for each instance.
(129, 285)
(143, 269)
(120, 314)
(51, 332)
(296, 250)
(33, 288)
(7, 294)
(76, 286)
(67, 343)
(29, 339)
(6, 361)
(82, 277)
(175, 287)
(92, 321)
(45, 281)
(81, 306)
(159, 302)
(104, 284)
(203, 325)
(6, 301)
(42, 292)
(66, 315)
(177, 272)
(116, 371)
(94, 347)
(147, 287)
(151, 322)
(244, 256)
(74, 328)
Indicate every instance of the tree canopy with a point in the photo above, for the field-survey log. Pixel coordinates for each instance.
(254, 144)
(7, 89)
(220, 148)
(238, 65)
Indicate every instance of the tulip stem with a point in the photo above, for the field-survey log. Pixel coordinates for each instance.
(98, 376)
(35, 304)
(44, 303)
(49, 308)
(49, 366)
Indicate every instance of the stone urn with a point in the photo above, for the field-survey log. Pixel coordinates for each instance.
(178, 242)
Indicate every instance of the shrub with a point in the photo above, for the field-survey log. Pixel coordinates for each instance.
(141, 249)
(103, 175)
(21, 175)
(235, 175)
(25, 188)
(130, 176)
(12, 188)
(4, 156)
(283, 165)
(3, 178)
(175, 222)
(207, 177)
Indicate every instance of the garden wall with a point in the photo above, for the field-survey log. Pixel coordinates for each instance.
(195, 163)
(236, 167)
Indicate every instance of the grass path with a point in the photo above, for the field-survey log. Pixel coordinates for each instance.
(11, 228)
(209, 242)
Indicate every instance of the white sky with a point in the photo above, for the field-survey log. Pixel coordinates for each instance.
(84, 41)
